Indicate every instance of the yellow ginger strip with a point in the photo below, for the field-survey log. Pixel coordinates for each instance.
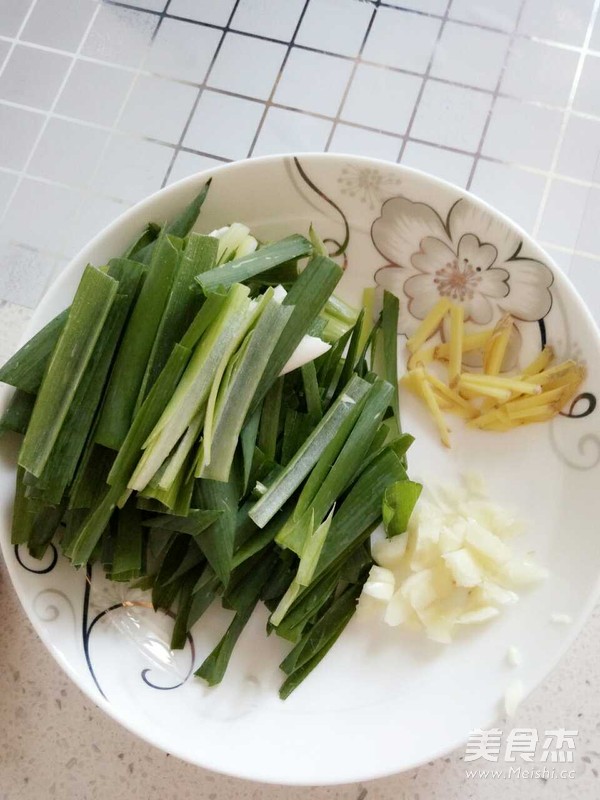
(457, 324)
(422, 358)
(484, 389)
(553, 396)
(540, 362)
(494, 416)
(538, 413)
(495, 350)
(471, 341)
(429, 325)
(557, 372)
(448, 393)
(433, 406)
(509, 384)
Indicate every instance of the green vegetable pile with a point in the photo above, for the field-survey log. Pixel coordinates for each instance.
(162, 442)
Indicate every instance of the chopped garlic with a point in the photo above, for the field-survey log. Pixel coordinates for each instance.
(513, 696)
(452, 567)
(513, 656)
(561, 619)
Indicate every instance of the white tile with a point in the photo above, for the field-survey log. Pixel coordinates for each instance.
(400, 39)
(380, 98)
(44, 231)
(18, 131)
(587, 97)
(451, 116)
(580, 148)
(585, 274)
(595, 40)
(151, 5)
(563, 213)
(120, 35)
(187, 164)
(94, 214)
(59, 23)
(12, 14)
(522, 133)
(33, 77)
(94, 92)
(509, 189)
(130, 168)
(215, 12)
(182, 50)
(247, 66)
(453, 167)
(469, 55)
(358, 141)
(158, 108)
(336, 26)
(8, 181)
(556, 20)
(589, 233)
(270, 18)
(501, 14)
(291, 132)
(424, 6)
(539, 72)
(4, 50)
(224, 126)
(68, 152)
(313, 82)
(25, 273)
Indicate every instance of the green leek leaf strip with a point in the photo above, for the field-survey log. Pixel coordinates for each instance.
(307, 456)
(66, 367)
(360, 509)
(128, 553)
(193, 562)
(351, 354)
(73, 520)
(213, 668)
(389, 349)
(129, 454)
(307, 605)
(90, 480)
(368, 321)
(194, 387)
(215, 665)
(296, 428)
(399, 501)
(312, 395)
(197, 521)
(184, 605)
(265, 258)
(23, 517)
(330, 371)
(248, 437)
(205, 591)
(308, 295)
(130, 364)
(18, 413)
(217, 540)
(319, 634)
(357, 565)
(25, 370)
(256, 539)
(182, 305)
(211, 308)
(344, 607)
(66, 453)
(238, 395)
(164, 591)
(399, 444)
(247, 581)
(278, 583)
(178, 464)
(269, 420)
(185, 221)
(149, 235)
(44, 527)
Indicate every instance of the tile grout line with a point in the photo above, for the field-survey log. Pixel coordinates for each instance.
(201, 88)
(566, 117)
(14, 41)
(495, 95)
(421, 92)
(269, 102)
(353, 71)
(48, 113)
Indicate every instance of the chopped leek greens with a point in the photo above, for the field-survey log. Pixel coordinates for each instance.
(183, 430)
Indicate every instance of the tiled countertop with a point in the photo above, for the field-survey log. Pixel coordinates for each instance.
(102, 103)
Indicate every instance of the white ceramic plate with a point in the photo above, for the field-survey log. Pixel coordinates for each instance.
(384, 699)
